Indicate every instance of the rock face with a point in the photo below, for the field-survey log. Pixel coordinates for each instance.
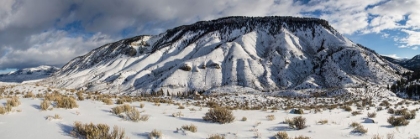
(411, 64)
(255, 53)
(27, 74)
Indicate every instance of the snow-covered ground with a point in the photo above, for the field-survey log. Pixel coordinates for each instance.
(28, 121)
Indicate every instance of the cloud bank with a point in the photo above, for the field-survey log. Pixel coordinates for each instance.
(52, 32)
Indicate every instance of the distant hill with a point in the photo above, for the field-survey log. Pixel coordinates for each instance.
(27, 74)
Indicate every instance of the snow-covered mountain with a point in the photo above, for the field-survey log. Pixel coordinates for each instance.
(256, 53)
(26, 74)
(411, 64)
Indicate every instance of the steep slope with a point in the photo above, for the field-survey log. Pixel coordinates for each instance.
(411, 64)
(26, 74)
(255, 53)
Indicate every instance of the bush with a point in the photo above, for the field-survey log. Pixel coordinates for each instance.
(133, 115)
(29, 95)
(141, 105)
(302, 137)
(298, 123)
(67, 103)
(14, 101)
(177, 114)
(359, 129)
(80, 96)
(271, 117)
(354, 113)
(191, 128)
(181, 107)
(371, 115)
(3, 110)
(354, 124)
(391, 111)
(220, 115)
(44, 105)
(346, 108)
(244, 119)
(397, 121)
(297, 111)
(155, 134)
(216, 136)
(99, 131)
(121, 109)
(281, 135)
(409, 115)
(107, 101)
(120, 101)
(322, 122)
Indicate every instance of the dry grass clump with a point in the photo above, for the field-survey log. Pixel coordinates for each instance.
(44, 105)
(397, 121)
(391, 111)
(3, 110)
(244, 119)
(155, 134)
(220, 115)
(120, 101)
(107, 101)
(191, 128)
(322, 122)
(141, 105)
(376, 136)
(67, 103)
(29, 95)
(134, 115)
(56, 116)
(281, 135)
(270, 117)
(358, 128)
(99, 131)
(80, 96)
(14, 101)
(121, 109)
(302, 137)
(298, 122)
(354, 113)
(181, 107)
(347, 108)
(216, 136)
(371, 115)
(298, 111)
(177, 114)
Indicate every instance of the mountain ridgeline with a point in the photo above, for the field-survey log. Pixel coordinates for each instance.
(232, 54)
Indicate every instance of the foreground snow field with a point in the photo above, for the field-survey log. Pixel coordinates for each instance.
(28, 121)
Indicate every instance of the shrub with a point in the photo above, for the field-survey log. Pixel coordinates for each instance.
(120, 101)
(80, 96)
(371, 115)
(376, 136)
(141, 105)
(359, 129)
(191, 128)
(220, 115)
(155, 134)
(3, 110)
(271, 117)
(281, 135)
(29, 95)
(99, 131)
(302, 137)
(298, 123)
(216, 136)
(397, 121)
(14, 101)
(354, 113)
(121, 109)
(346, 108)
(181, 107)
(400, 112)
(244, 119)
(322, 122)
(67, 103)
(133, 115)
(107, 101)
(391, 111)
(45, 104)
(177, 114)
(297, 111)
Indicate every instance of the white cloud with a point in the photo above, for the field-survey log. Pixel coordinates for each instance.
(53, 47)
(412, 39)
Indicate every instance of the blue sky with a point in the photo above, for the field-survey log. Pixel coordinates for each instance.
(52, 32)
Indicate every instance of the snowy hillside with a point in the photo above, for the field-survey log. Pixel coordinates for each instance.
(412, 64)
(27, 74)
(249, 53)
